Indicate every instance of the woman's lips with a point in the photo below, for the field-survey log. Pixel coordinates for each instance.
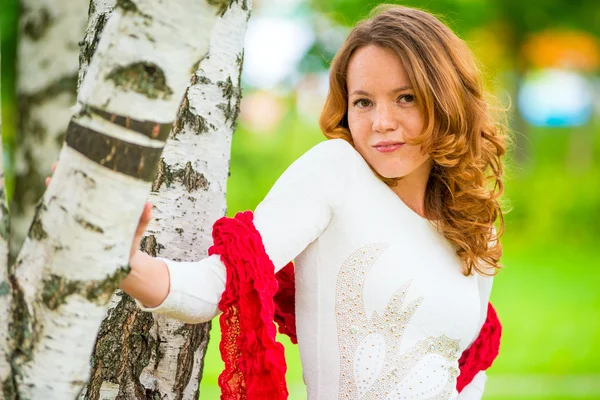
(388, 147)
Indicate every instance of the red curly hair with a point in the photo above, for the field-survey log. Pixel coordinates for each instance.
(465, 142)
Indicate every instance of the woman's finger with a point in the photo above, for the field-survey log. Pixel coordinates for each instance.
(48, 181)
(144, 219)
(54, 166)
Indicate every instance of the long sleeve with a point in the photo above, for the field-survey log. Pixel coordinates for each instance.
(474, 390)
(293, 214)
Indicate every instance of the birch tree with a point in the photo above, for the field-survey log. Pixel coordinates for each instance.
(47, 65)
(138, 355)
(76, 250)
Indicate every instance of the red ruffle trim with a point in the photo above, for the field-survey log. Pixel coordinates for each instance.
(482, 352)
(254, 297)
(254, 362)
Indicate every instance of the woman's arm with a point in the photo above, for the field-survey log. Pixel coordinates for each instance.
(148, 280)
(293, 214)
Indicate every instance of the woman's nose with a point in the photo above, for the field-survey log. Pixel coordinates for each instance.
(385, 120)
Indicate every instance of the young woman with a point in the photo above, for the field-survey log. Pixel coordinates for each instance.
(390, 224)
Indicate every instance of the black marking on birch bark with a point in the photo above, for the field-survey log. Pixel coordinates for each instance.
(112, 153)
(153, 394)
(239, 60)
(123, 349)
(92, 8)
(101, 291)
(36, 230)
(145, 78)
(186, 117)
(203, 80)
(57, 289)
(189, 178)
(37, 23)
(19, 327)
(87, 48)
(90, 182)
(162, 174)
(227, 87)
(178, 230)
(230, 93)
(88, 225)
(192, 334)
(149, 245)
(150, 129)
(222, 5)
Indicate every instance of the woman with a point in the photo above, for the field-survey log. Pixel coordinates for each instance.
(390, 222)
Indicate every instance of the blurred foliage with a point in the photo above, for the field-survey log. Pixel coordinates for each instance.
(8, 33)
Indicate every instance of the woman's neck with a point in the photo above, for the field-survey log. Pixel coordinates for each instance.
(411, 188)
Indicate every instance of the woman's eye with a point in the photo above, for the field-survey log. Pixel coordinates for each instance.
(362, 103)
(406, 98)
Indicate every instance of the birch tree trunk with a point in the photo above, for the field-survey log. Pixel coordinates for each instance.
(137, 355)
(77, 247)
(47, 62)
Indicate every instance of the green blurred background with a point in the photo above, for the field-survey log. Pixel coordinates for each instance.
(541, 59)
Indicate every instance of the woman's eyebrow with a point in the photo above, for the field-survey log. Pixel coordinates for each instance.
(363, 93)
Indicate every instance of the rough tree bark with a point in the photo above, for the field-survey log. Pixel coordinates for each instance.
(46, 90)
(76, 250)
(137, 355)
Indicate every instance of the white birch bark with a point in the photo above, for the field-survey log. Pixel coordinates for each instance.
(202, 141)
(47, 61)
(77, 248)
(188, 196)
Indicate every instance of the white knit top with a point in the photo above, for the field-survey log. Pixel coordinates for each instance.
(383, 310)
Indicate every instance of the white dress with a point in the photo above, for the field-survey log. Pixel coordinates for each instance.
(383, 310)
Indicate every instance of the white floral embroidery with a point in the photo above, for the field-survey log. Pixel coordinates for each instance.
(371, 365)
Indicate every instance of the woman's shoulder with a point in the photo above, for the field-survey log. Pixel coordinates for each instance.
(326, 167)
(332, 153)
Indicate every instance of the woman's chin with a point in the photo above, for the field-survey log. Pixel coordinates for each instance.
(389, 174)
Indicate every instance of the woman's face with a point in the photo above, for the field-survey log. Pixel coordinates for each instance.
(383, 112)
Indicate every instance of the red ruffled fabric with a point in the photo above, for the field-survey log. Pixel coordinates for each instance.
(254, 361)
(482, 352)
(254, 297)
